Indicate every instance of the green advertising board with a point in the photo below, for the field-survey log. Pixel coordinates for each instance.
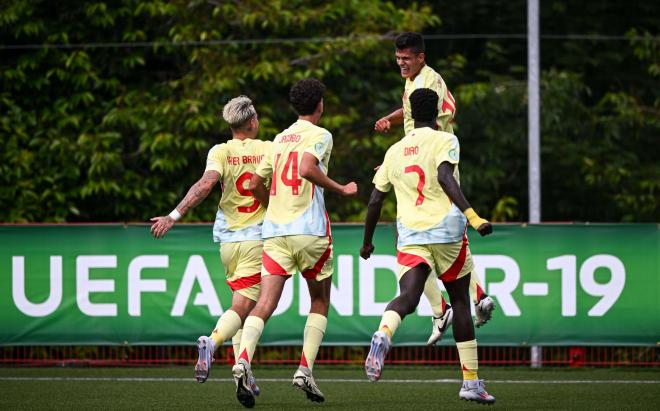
(115, 284)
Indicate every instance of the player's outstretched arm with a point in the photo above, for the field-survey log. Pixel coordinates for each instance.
(453, 191)
(383, 125)
(373, 215)
(198, 192)
(259, 190)
(310, 171)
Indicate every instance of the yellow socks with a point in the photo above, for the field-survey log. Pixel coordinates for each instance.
(236, 343)
(226, 327)
(434, 295)
(389, 323)
(313, 335)
(467, 352)
(252, 330)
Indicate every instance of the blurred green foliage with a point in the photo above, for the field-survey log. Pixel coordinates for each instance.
(91, 133)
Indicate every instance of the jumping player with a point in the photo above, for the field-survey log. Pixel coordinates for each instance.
(432, 213)
(411, 59)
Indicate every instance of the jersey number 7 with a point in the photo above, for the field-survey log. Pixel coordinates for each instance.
(420, 185)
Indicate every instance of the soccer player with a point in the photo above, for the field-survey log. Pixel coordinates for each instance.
(432, 213)
(411, 58)
(237, 225)
(296, 233)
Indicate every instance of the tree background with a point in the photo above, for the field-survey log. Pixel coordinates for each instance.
(107, 109)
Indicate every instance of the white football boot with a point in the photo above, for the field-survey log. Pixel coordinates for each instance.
(241, 372)
(205, 351)
(484, 311)
(440, 325)
(474, 390)
(304, 380)
(380, 345)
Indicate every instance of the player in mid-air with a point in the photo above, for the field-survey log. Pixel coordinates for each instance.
(411, 59)
(237, 224)
(296, 234)
(432, 216)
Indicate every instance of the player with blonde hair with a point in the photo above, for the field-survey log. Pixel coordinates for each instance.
(237, 225)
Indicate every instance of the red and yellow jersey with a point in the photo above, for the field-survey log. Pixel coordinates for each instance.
(296, 206)
(239, 215)
(425, 214)
(429, 78)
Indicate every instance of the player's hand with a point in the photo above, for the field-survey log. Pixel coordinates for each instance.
(485, 228)
(349, 189)
(161, 225)
(366, 250)
(382, 125)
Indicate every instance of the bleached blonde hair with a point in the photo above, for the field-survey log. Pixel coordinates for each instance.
(238, 111)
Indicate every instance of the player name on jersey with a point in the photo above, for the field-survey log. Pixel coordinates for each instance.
(238, 160)
(411, 151)
(289, 138)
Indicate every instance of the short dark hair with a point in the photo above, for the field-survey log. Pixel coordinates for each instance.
(410, 40)
(424, 104)
(305, 95)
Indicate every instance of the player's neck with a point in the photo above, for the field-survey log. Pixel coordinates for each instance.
(431, 124)
(241, 136)
(412, 78)
(312, 118)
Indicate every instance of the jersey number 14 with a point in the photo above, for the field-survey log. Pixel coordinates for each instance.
(291, 166)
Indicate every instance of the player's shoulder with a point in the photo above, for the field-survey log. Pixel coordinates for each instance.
(446, 135)
(444, 138)
(396, 148)
(431, 77)
(429, 72)
(316, 130)
(218, 149)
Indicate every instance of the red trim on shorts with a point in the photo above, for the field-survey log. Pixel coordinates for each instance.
(272, 266)
(327, 226)
(410, 260)
(314, 271)
(245, 282)
(455, 269)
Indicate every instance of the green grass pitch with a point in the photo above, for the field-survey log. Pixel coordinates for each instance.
(401, 389)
